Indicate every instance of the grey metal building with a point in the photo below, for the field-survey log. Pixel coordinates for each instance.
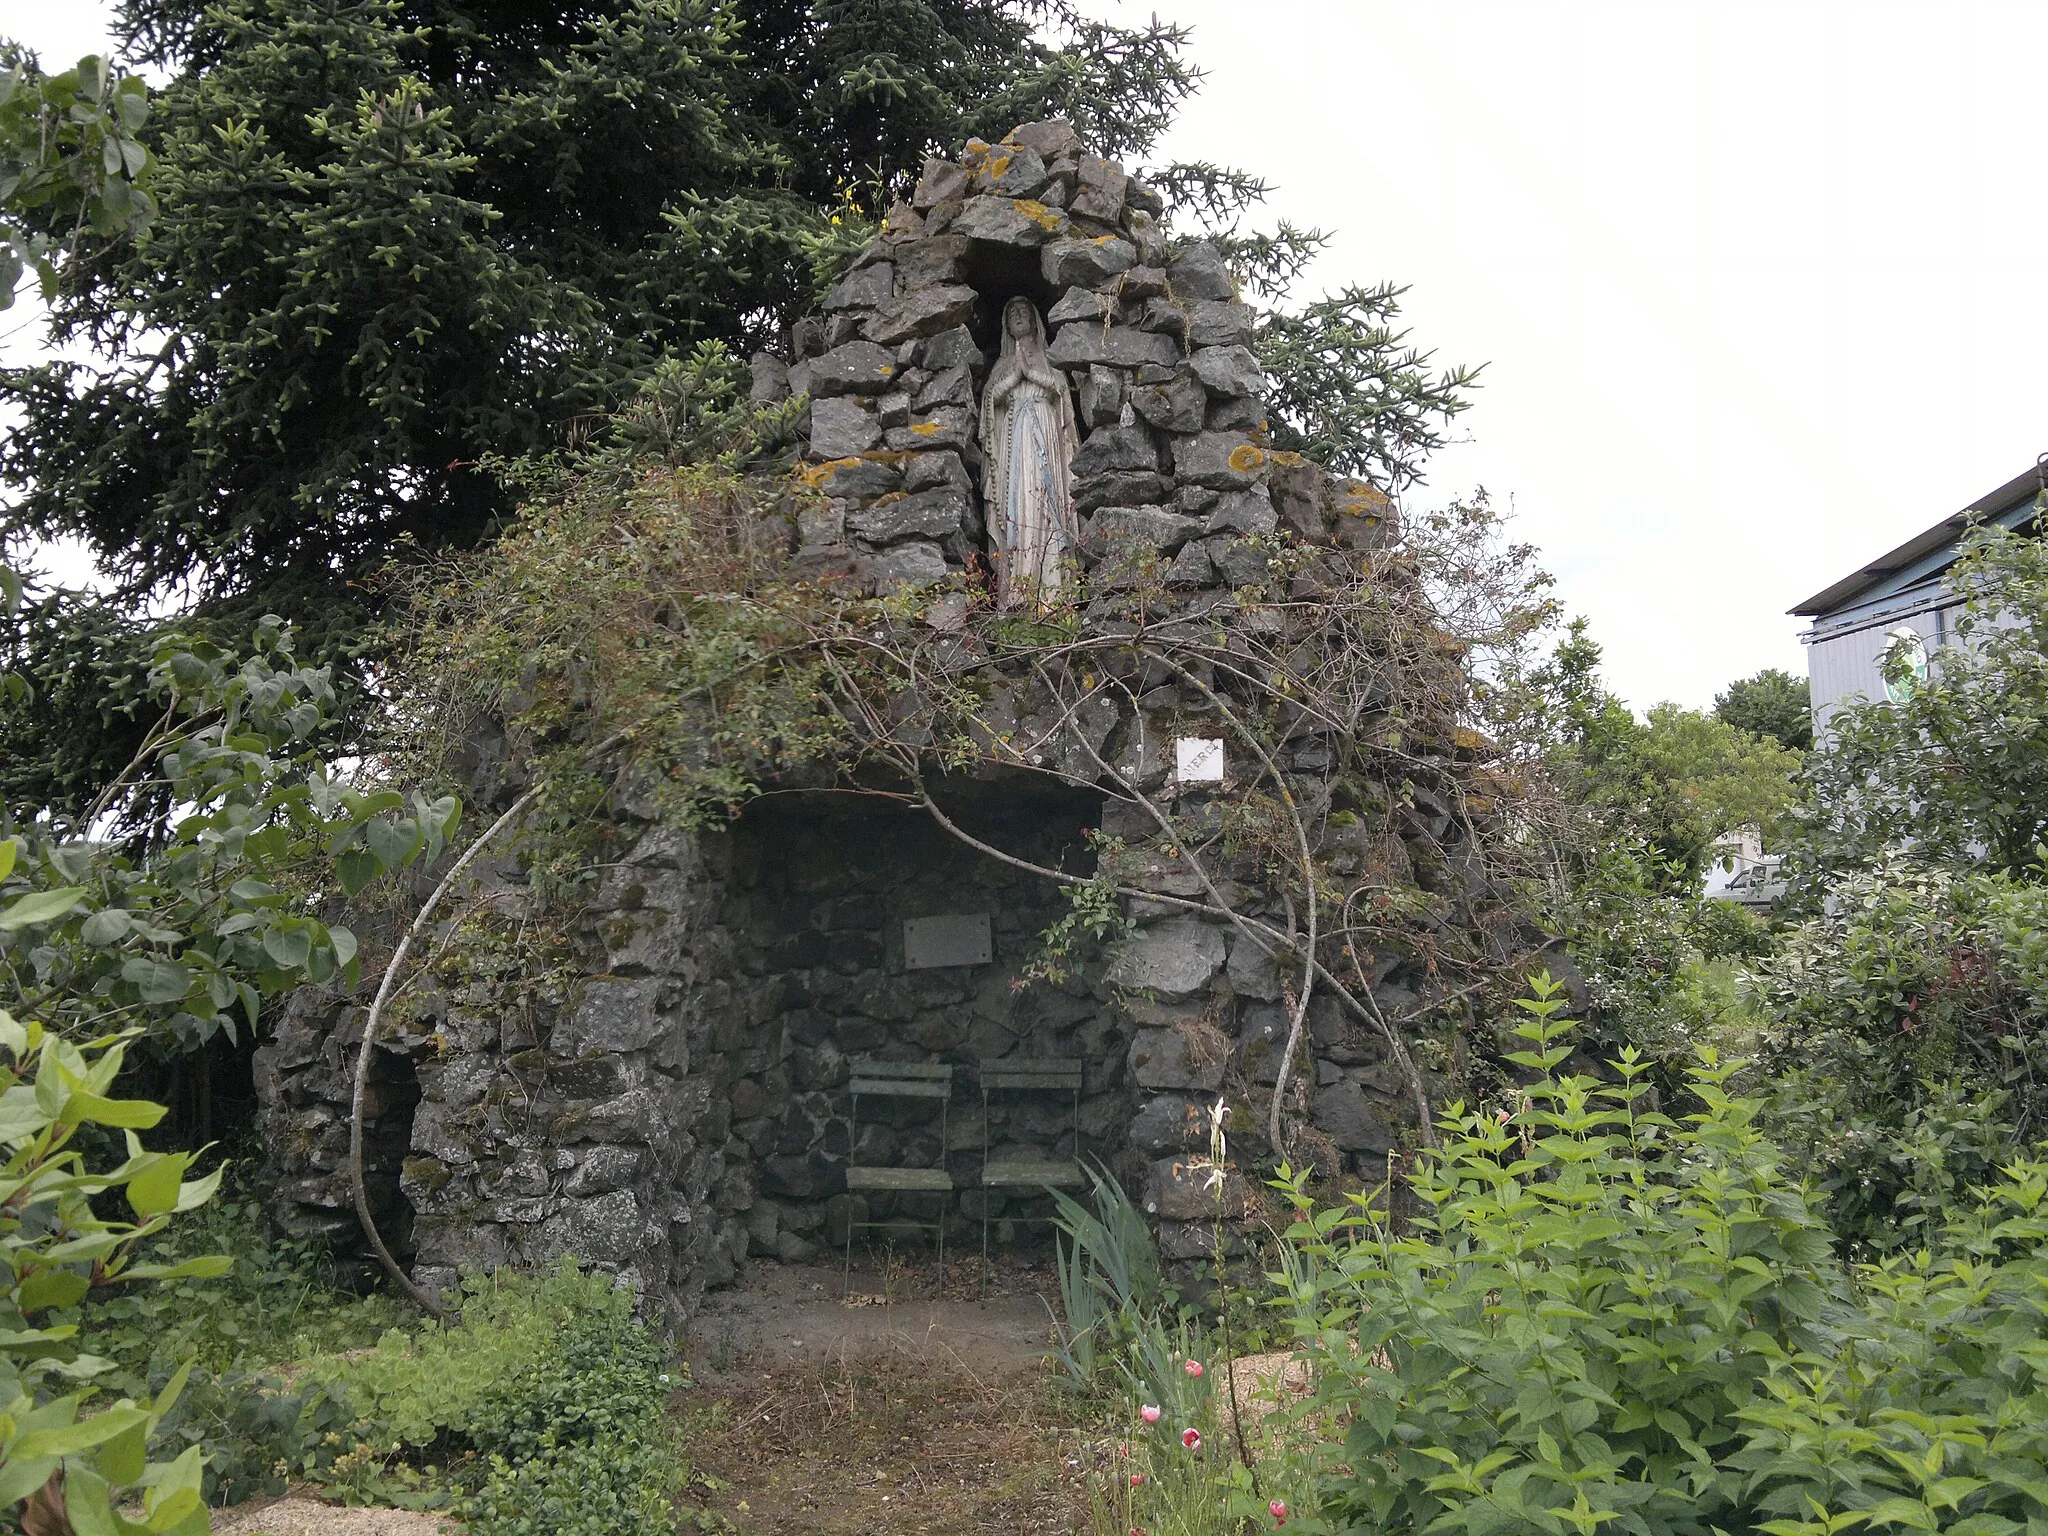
(1854, 620)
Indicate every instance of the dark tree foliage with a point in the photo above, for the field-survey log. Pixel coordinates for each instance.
(1773, 703)
(401, 235)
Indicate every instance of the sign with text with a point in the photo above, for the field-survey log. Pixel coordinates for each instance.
(1198, 760)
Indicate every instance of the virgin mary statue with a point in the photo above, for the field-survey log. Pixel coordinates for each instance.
(1027, 433)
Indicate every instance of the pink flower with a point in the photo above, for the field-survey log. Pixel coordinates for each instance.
(1137, 1479)
(1278, 1510)
(1123, 1450)
(1191, 1438)
(1149, 1413)
(1193, 1367)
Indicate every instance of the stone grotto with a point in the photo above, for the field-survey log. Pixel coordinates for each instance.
(669, 1100)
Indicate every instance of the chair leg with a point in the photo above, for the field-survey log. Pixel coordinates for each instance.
(846, 1274)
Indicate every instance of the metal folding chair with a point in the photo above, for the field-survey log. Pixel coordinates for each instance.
(1025, 1076)
(900, 1080)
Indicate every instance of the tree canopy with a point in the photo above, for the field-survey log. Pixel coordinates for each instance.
(1772, 703)
(400, 236)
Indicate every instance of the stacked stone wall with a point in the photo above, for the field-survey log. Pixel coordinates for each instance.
(665, 1095)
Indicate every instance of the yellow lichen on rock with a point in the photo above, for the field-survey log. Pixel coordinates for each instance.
(1245, 458)
(1039, 214)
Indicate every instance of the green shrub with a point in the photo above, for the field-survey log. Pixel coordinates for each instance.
(1602, 1316)
(273, 1309)
(543, 1410)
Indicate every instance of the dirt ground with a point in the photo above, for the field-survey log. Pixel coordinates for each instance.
(916, 1405)
(310, 1517)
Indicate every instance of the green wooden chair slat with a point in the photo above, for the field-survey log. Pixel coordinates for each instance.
(898, 1178)
(1013, 1172)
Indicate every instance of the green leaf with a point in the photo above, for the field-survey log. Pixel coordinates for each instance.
(51, 1288)
(8, 849)
(41, 907)
(82, 1436)
(84, 1108)
(106, 927)
(158, 981)
(155, 1190)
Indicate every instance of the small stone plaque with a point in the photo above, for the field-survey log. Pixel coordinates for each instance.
(1198, 760)
(954, 939)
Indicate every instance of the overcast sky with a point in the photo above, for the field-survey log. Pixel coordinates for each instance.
(1759, 286)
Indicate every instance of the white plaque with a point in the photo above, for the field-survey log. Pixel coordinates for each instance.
(955, 939)
(1198, 760)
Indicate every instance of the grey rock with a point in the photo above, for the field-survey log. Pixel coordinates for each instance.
(1362, 518)
(857, 368)
(1219, 323)
(928, 514)
(1244, 413)
(893, 409)
(1144, 199)
(1224, 461)
(942, 182)
(807, 337)
(1102, 396)
(1159, 1058)
(635, 1115)
(1086, 263)
(843, 426)
(1193, 1189)
(606, 1229)
(1173, 958)
(1111, 448)
(1082, 304)
(1198, 272)
(1252, 973)
(1165, 317)
(800, 376)
(1176, 406)
(1228, 371)
(1170, 1123)
(862, 288)
(954, 349)
(1260, 1041)
(1102, 189)
(605, 1169)
(1009, 170)
(1051, 139)
(1144, 281)
(1342, 1113)
(842, 328)
(1137, 527)
(792, 1249)
(855, 479)
(919, 313)
(1080, 344)
(820, 526)
(1248, 512)
(1120, 488)
(911, 564)
(930, 262)
(612, 1016)
(1192, 567)
(769, 379)
(1297, 487)
(922, 471)
(951, 386)
(1009, 221)
(1239, 563)
(946, 426)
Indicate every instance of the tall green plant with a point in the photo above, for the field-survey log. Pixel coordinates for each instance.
(1570, 1332)
(189, 935)
(62, 1466)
